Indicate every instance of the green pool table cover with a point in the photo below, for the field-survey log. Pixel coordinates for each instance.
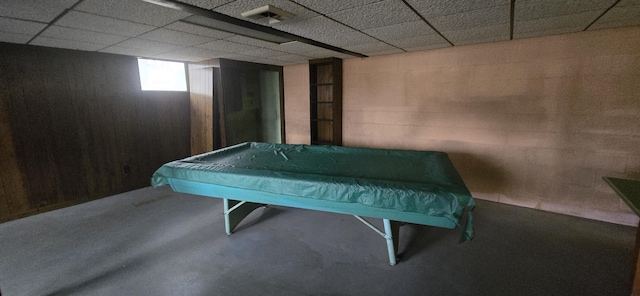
(423, 182)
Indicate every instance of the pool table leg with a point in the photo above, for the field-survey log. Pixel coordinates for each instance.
(390, 234)
(392, 231)
(235, 211)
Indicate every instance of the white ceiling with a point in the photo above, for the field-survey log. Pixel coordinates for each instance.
(369, 27)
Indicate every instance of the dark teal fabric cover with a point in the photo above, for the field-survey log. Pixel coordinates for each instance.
(409, 181)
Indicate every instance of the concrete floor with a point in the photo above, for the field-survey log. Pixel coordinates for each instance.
(157, 242)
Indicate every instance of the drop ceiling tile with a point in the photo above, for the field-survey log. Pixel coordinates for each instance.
(419, 41)
(320, 53)
(293, 58)
(35, 10)
(325, 53)
(345, 56)
(296, 47)
(476, 40)
(401, 31)
(547, 17)
(327, 7)
(374, 15)
(148, 44)
(370, 47)
(427, 47)
(227, 46)
(252, 41)
(14, 37)
(548, 32)
(79, 35)
(625, 13)
(206, 4)
(174, 37)
(236, 8)
(96, 23)
(384, 52)
(352, 37)
(310, 28)
(433, 8)
(275, 62)
(478, 35)
(149, 52)
(263, 53)
(8, 25)
(192, 54)
(135, 11)
(269, 61)
(540, 9)
(498, 15)
(229, 55)
(198, 30)
(238, 57)
(553, 25)
(253, 60)
(180, 58)
(62, 43)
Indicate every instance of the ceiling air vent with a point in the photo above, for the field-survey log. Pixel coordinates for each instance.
(270, 12)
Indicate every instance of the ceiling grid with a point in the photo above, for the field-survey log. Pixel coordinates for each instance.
(332, 28)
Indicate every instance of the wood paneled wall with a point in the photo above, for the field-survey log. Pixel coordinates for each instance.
(75, 126)
(201, 97)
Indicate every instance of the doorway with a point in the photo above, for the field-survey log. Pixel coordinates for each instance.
(248, 103)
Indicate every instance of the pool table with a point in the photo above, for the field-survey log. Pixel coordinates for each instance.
(397, 186)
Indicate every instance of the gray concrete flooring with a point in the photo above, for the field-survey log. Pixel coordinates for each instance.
(157, 242)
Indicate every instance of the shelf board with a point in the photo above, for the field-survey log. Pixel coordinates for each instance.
(325, 80)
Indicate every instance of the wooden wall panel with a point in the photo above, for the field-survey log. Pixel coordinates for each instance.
(12, 189)
(201, 98)
(30, 116)
(79, 128)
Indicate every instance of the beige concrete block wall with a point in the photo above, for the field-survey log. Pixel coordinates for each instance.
(534, 122)
(296, 104)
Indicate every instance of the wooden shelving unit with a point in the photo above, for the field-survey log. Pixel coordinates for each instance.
(325, 80)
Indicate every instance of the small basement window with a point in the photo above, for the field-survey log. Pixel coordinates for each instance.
(162, 75)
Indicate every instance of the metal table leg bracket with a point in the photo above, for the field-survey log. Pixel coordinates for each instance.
(238, 211)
